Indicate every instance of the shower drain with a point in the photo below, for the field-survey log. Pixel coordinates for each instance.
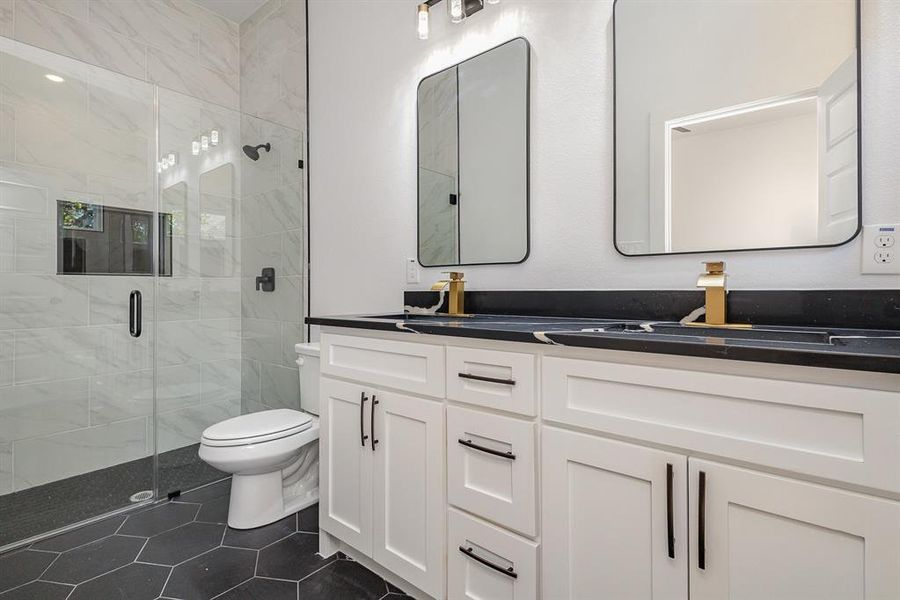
(141, 496)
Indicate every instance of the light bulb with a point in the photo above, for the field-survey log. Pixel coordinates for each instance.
(54, 78)
(195, 147)
(455, 7)
(422, 22)
(214, 137)
(493, 1)
(165, 165)
(204, 142)
(171, 159)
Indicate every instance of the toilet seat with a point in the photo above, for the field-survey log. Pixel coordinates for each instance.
(255, 428)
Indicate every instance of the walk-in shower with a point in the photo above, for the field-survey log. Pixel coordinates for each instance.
(108, 206)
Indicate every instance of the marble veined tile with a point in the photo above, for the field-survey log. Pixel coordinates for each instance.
(220, 298)
(183, 342)
(35, 246)
(41, 460)
(179, 387)
(181, 428)
(75, 145)
(109, 298)
(77, 9)
(123, 193)
(121, 396)
(279, 386)
(291, 335)
(32, 190)
(30, 301)
(6, 464)
(120, 103)
(250, 381)
(28, 411)
(261, 340)
(185, 75)
(165, 25)
(281, 305)
(23, 83)
(178, 299)
(7, 132)
(6, 18)
(57, 32)
(259, 252)
(7, 352)
(259, 16)
(283, 28)
(292, 245)
(22, 200)
(222, 381)
(7, 244)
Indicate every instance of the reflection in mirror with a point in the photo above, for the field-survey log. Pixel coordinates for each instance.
(217, 203)
(473, 160)
(736, 124)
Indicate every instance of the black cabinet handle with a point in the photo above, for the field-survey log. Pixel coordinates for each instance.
(372, 422)
(488, 379)
(471, 554)
(701, 522)
(670, 510)
(134, 313)
(474, 446)
(362, 410)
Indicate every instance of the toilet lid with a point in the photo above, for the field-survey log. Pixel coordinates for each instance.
(268, 424)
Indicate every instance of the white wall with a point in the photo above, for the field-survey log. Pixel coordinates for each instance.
(365, 62)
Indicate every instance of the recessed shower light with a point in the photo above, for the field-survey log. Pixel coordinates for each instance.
(54, 78)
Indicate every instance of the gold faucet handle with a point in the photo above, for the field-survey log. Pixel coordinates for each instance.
(715, 268)
(439, 285)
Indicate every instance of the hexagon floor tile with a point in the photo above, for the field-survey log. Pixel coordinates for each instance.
(183, 550)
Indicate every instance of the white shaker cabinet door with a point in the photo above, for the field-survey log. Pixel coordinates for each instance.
(614, 520)
(408, 495)
(755, 535)
(345, 470)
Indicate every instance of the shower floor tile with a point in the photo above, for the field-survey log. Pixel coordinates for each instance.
(171, 553)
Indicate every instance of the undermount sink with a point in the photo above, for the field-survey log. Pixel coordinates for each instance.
(759, 334)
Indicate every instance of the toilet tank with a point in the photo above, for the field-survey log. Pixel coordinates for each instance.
(308, 363)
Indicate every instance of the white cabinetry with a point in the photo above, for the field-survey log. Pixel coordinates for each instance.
(614, 519)
(757, 535)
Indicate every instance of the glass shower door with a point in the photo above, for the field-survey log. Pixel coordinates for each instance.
(79, 246)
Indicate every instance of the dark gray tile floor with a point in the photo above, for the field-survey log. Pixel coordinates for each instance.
(183, 550)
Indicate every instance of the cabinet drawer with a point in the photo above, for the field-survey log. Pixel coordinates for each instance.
(501, 380)
(840, 433)
(483, 561)
(491, 467)
(406, 366)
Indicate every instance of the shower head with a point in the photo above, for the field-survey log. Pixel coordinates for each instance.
(252, 152)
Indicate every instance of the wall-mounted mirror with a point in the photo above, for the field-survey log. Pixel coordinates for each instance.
(473, 160)
(737, 124)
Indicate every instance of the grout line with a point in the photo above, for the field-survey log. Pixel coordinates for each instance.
(166, 582)
(325, 566)
(232, 588)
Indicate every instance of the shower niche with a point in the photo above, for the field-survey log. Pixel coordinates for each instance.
(96, 239)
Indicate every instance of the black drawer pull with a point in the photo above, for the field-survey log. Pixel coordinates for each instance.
(701, 522)
(670, 510)
(134, 313)
(362, 418)
(372, 422)
(471, 554)
(474, 446)
(488, 379)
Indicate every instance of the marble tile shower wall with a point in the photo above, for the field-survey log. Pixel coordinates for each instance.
(76, 392)
(273, 100)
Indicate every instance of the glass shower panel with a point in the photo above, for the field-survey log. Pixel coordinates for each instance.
(77, 228)
(199, 308)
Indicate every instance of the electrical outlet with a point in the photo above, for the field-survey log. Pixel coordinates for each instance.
(879, 252)
(412, 270)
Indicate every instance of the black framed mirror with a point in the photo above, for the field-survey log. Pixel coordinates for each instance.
(472, 171)
(737, 125)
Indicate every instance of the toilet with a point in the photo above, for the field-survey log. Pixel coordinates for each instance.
(273, 455)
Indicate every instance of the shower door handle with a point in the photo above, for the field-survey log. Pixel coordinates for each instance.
(134, 313)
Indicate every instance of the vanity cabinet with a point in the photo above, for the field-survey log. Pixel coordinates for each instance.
(614, 519)
(756, 535)
(382, 478)
(517, 471)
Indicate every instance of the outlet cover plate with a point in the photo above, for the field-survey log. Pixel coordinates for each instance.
(881, 249)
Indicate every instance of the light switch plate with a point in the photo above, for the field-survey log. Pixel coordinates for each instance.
(412, 270)
(881, 249)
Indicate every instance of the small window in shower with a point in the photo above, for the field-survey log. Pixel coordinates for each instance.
(93, 239)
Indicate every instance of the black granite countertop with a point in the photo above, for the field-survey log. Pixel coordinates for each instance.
(837, 348)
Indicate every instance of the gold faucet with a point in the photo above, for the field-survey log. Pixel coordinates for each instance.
(457, 292)
(713, 280)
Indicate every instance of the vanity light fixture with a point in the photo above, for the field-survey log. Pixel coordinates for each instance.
(54, 78)
(195, 147)
(422, 21)
(171, 159)
(204, 142)
(457, 10)
(214, 137)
